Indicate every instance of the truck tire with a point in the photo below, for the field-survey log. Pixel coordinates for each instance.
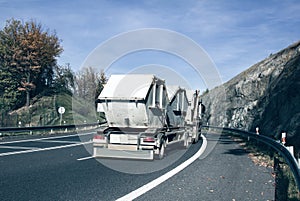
(162, 149)
(196, 139)
(186, 140)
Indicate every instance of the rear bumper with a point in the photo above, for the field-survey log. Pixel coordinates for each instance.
(127, 144)
(118, 152)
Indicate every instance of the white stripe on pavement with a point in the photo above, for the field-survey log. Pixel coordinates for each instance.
(59, 141)
(147, 187)
(46, 138)
(15, 147)
(44, 149)
(85, 158)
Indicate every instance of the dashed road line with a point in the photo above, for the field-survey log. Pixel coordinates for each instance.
(85, 158)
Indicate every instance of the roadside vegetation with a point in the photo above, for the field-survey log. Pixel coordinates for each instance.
(33, 85)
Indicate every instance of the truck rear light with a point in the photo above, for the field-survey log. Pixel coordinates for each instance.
(99, 137)
(148, 139)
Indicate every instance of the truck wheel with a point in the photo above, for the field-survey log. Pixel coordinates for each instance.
(196, 139)
(186, 140)
(162, 149)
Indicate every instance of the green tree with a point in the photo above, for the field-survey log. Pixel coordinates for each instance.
(63, 79)
(29, 55)
(9, 77)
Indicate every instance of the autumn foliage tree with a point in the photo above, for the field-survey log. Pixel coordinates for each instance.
(28, 55)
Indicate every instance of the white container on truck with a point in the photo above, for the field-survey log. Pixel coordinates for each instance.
(144, 116)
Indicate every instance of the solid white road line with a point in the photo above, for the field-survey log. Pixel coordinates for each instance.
(46, 138)
(15, 147)
(44, 149)
(140, 191)
(85, 158)
(59, 141)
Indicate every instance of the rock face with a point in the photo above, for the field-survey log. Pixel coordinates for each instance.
(266, 95)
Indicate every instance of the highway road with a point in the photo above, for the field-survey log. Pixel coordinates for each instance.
(60, 168)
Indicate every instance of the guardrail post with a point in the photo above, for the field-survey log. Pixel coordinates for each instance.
(283, 138)
(289, 148)
(257, 130)
(275, 168)
(281, 184)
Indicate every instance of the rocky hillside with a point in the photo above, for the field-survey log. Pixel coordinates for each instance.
(266, 95)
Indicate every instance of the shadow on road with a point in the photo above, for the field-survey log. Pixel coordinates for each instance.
(237, 152)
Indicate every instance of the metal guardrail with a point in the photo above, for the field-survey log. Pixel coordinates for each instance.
(48, 128)
(281, 149)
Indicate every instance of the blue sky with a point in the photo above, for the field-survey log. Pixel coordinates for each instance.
(235, 33)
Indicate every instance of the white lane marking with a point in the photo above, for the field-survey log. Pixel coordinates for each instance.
(59, 141)
(15, 147)
(44, 149)
(46, 138)
(85, 158)
(140, 191)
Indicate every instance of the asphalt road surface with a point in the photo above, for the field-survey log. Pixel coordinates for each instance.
(60, 168)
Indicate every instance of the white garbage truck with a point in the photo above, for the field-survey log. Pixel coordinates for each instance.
(144, 116)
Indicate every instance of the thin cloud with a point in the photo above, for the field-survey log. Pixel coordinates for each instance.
(236, 34)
